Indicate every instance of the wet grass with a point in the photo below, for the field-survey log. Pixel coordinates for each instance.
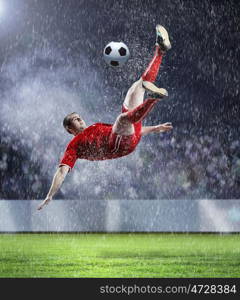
(119, 255)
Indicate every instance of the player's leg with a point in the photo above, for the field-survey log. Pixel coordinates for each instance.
(134, 100)
(135, 94)
(124, 124)
(162, 45)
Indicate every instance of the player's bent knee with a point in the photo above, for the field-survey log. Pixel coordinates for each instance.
(123, 117)
(123, 120)
(136, 85)
(123, 126)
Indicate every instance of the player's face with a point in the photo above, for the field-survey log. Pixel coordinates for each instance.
(77, 123)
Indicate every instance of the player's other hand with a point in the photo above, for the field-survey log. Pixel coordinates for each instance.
(164, 127)
(45, 202)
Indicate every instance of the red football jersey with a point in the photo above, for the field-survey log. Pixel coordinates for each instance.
(98, 142)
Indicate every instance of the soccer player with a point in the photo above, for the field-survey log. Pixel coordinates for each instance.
(106, 141)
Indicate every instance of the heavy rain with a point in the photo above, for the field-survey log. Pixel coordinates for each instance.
(51, 59)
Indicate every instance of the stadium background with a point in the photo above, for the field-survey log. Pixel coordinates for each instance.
(51, 64)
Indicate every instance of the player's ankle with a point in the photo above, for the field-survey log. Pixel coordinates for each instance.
(159, 49)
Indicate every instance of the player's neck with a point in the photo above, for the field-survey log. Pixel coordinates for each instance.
(77, 132)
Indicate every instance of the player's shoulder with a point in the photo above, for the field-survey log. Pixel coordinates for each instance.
(75, 140)
(72, 143)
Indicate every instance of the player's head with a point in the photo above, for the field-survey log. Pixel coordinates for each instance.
(73, 123)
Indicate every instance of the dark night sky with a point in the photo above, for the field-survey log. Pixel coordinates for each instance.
(51, 61)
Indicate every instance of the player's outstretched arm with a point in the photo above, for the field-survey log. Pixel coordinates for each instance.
(56, 184)
(158, 128)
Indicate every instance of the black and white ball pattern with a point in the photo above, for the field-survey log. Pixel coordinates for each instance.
(116, 54)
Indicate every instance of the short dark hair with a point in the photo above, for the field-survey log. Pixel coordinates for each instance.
(67, 121)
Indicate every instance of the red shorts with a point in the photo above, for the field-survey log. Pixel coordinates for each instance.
(121, 145)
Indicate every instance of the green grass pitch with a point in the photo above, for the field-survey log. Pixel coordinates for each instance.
(119, 255)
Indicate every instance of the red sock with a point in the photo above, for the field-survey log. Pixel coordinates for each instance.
(140, 112)
(152, 70)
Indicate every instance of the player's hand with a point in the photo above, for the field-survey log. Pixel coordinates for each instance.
(45, 202)
(163, 127)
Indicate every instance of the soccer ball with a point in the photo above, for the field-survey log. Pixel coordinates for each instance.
(116, 54)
